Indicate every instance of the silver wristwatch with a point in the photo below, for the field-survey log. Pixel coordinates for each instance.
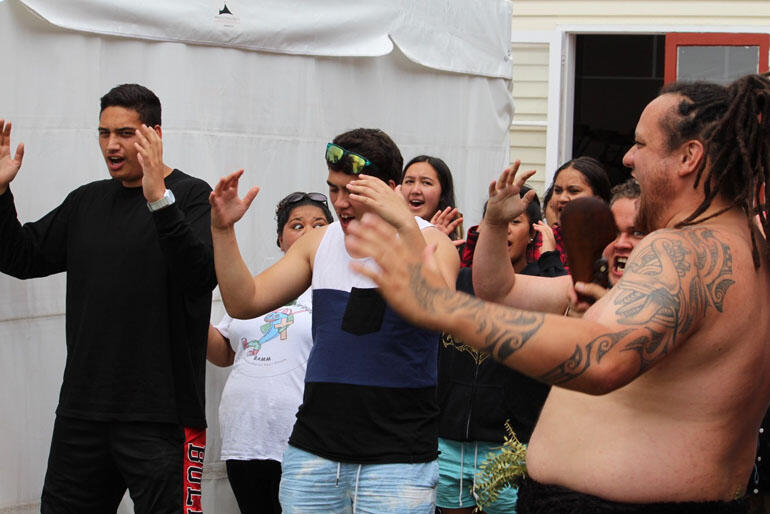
(163, 202)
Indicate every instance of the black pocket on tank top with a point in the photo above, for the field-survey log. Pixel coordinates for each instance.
(364, 312)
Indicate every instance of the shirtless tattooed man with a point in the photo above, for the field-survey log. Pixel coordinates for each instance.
(663, 384)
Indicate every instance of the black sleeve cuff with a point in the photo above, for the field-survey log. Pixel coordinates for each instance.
(168, 217)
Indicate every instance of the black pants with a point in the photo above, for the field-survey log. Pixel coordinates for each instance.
(92, 463)
(535, 498)
(255, 484)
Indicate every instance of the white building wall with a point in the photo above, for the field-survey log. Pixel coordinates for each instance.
(541, 44)
(547, 14)
(530, 119)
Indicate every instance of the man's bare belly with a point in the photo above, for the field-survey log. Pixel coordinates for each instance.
(616, 447)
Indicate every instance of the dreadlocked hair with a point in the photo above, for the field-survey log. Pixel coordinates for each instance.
(732, 123)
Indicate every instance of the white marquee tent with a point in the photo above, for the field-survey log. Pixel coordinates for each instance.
(260, 85)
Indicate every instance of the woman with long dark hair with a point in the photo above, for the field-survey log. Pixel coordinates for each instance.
(428, 188)
(576, 178)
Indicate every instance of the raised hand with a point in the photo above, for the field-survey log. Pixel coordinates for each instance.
(408, 278)
(8, 167)
(150, 155)
(381, 199)
(504, 202)
(547, 237)
(226, 207)
(447, 220)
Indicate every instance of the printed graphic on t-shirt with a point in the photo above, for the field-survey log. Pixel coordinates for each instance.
(276, 325)
(270, 342)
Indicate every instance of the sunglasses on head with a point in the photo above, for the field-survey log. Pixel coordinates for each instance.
(299, 196)
(335, 154)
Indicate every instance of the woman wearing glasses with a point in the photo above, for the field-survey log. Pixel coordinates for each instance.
(269, 357)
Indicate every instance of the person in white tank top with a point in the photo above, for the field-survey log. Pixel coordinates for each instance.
(364, 436)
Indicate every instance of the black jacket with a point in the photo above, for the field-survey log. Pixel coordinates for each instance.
(477, 394)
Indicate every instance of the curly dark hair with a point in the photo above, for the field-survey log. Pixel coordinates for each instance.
(378, 147)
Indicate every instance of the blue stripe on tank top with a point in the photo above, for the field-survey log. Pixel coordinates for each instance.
(398, 355)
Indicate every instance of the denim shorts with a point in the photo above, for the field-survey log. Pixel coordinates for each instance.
(310, 484)
(458, 467)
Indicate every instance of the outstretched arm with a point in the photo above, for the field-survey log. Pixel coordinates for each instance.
(245, 296)
(37, 249)
(493, 277)
(660, 301)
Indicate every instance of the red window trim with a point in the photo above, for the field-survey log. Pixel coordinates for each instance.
(676, 39)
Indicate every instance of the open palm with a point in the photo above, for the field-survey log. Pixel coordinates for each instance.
(9, 167)
(226, 207)
(505, 202)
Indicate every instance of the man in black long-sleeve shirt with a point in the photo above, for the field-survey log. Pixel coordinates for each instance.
(138, 256)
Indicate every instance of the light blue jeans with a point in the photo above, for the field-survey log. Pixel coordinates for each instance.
(311, 484)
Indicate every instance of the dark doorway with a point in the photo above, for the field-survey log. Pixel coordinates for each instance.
(615, 77)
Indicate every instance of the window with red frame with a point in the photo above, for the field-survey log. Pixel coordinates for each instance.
(715, 57)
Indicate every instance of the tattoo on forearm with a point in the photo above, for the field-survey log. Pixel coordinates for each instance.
(667, 288)
(505, 330)
(511, 333)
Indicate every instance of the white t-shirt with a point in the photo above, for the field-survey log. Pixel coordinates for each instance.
(264, 389)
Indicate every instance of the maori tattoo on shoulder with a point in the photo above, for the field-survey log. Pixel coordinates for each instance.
(671, 282)
(666, 290)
